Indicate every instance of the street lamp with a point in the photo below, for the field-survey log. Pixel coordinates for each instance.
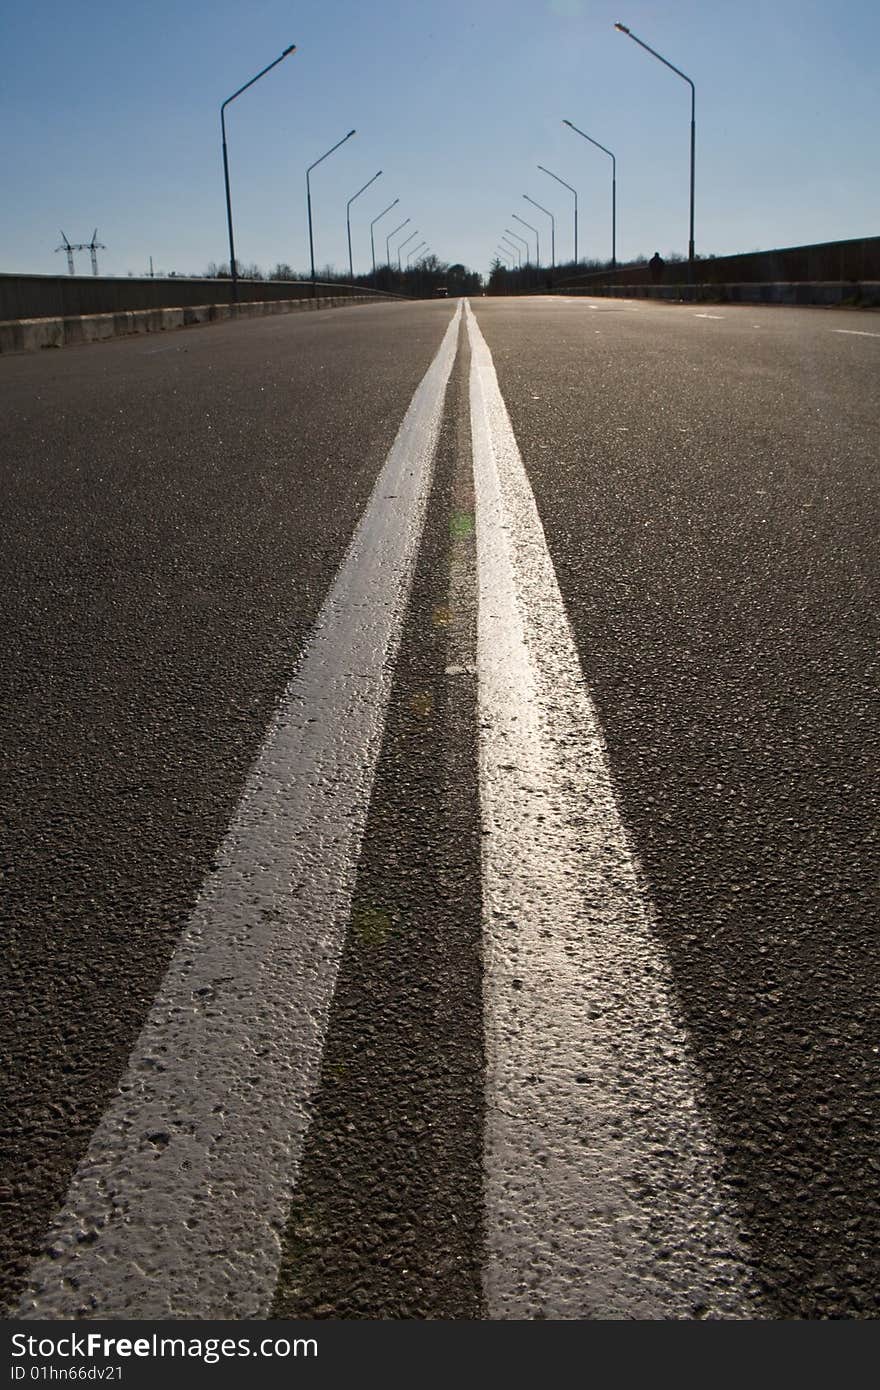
(233, 269)
(402, 244)
(502, 253)
(571, 190)
(613, 189)
(654, 54)
(537, 238)
(552, 228)
(415, 249)
(515, 249)
(517, 237)
(372, 225)
(348, 218)
(388, 240)
(309, 202)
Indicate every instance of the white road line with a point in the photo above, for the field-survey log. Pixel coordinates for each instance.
(720, 317)
(600, 1196)
(855, 332)
(179, 1206)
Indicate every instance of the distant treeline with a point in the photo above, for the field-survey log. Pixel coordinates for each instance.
(426, 277)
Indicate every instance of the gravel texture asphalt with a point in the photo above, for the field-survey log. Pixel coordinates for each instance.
(708, 489)
(174, 515)
(175, 512)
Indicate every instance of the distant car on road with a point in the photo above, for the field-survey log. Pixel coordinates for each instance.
(441, 292)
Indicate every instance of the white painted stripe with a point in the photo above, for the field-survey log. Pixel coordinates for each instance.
(855, 332)
(184, 1192)
(600, 1198)
(709, 316)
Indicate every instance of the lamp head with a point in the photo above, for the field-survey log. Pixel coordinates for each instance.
(291, 49)
(622, 27)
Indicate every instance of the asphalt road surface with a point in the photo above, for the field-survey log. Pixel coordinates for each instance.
(438, 853)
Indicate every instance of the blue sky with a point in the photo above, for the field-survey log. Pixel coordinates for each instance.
(110, 114)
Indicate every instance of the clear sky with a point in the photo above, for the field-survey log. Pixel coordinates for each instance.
(110, 116)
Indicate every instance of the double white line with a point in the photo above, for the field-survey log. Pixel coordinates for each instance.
(600, 1200)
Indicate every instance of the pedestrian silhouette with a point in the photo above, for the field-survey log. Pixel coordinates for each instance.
(656, 265)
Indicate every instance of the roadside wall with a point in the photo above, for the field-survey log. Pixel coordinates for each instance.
(853, 261)
(64, 296)
(32, 335)
(863, 295)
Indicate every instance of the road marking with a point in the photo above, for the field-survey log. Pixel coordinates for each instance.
(709, 316)
(184, 1192)
(600, 1196)
(856, 332)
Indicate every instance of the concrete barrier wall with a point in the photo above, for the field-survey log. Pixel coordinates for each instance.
(65, 296)
(864, 295)
(31, 335)
(855, 261)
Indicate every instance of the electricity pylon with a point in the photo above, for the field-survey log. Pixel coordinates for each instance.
(93, 246)
(66, 246)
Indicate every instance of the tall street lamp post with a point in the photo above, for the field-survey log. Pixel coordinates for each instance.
(309, 202)
(516, 236)
(414, 251)
(388, 240)
(405, 242)
(537, 238)
(233, 269)
(372, 225)
(665, 61)
(552, 228)
(514, 249)
(571, 190)
(348, 218)
(613, 188)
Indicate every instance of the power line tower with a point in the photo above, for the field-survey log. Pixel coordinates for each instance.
(94, 247)
(66, 246)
